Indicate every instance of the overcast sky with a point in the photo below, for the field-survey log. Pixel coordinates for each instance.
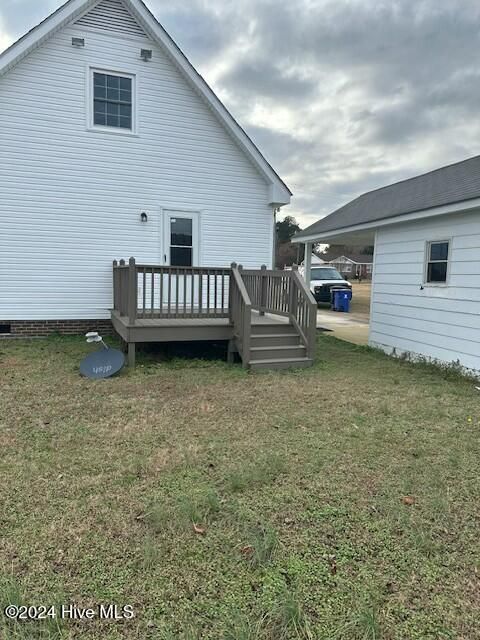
(342, 96)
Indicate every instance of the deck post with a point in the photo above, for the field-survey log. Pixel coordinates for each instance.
(263, 289)
(132, 291)
(131, 355)
(122, 293)
(231, 351)
(293, 292)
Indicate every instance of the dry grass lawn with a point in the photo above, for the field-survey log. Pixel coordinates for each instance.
(296, 483)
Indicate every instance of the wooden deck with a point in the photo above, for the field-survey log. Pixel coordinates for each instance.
(268, 317)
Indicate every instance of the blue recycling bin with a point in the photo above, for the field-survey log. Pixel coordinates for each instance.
(341, 300)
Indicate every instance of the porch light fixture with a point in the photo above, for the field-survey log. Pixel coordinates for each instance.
(146, 54)
(143, 216)
(78, 42)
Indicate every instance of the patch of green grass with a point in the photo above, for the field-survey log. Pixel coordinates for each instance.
(199, 506)
(261, 545)
(151, 553)
(290, 621)
(367, 624)
(262, 471)
(223, 504)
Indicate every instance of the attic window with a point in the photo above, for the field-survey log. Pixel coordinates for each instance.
(113, 100)
(437, 262)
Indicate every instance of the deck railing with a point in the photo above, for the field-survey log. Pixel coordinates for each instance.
(284, 293)
(240, 313)
(150, 291)
(146, 291)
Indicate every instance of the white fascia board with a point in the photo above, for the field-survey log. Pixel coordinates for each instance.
(457, 207)
(279, 193)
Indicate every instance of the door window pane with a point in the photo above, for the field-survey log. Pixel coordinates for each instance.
(181, 256)
(181, 232)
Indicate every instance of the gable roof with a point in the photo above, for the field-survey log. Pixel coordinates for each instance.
(448, 185)
(73, 9)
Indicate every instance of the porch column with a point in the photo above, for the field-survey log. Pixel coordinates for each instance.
(307, 263)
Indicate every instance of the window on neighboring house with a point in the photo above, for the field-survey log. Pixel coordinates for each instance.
(369, 268)
(437, 261)
(112, 101)
(346, 267)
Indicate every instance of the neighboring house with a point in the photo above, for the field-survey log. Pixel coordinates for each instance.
(112, 145)
(426, 272)
(315, 260)
(358, 266)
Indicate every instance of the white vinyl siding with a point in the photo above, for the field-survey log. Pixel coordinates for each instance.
(412, 316)
(71, 198)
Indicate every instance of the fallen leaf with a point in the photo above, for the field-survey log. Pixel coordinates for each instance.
(198, 529)
(247, 550)
(408, 500)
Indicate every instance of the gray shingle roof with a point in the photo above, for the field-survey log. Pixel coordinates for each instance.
(447, 185)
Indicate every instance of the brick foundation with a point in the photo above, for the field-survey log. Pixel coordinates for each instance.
(44, 328)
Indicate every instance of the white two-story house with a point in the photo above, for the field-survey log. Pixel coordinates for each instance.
(112, 145)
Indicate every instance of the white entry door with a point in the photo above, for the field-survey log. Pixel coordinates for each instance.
(181, 238)
(181, 249)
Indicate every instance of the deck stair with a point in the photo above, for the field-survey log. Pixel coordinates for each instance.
(277, 346)
(286, 336)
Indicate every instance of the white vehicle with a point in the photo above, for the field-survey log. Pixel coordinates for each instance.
(322, 279)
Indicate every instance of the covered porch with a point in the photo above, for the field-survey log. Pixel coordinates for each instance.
(359, 238)
(268, 317)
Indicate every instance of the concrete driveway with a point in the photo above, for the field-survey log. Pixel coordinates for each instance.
(353, 326)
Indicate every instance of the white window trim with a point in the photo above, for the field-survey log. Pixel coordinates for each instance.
(89, 107)
(428, 244)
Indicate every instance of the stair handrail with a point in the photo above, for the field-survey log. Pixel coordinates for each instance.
(240, 312)
(304, 311)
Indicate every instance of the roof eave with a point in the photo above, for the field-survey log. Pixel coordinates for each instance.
(457, 207)
(41, 32)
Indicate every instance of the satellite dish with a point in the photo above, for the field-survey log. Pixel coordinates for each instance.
(101, 364)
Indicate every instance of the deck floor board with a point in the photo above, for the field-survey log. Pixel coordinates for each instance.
(172, 329)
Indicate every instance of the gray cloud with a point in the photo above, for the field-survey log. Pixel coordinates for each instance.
(341, 95)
